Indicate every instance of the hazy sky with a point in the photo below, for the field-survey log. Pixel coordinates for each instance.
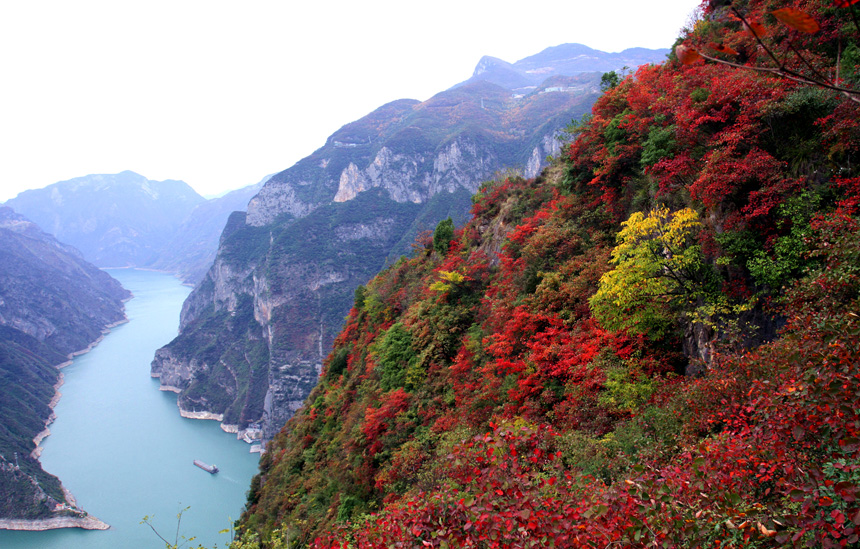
(219, 93)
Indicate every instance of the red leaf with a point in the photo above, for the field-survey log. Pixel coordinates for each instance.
(754, 28)
(687, 54)
(797, 19)
(722, 49)
(844, 3)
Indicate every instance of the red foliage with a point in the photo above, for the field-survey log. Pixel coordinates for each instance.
(767, 447)
(505, 489)
(377, 421)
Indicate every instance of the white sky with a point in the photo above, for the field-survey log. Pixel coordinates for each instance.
(220, 93)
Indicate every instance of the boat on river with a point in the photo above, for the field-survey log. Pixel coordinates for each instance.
(212, 469)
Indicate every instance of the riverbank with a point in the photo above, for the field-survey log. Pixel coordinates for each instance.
(37, 440)
(40, 525)
(87, 522)
(201, 415)
(105, 331)
(121, 447)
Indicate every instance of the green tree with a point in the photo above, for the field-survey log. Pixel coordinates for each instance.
(395, 355)
(609, 80)
(442, 236)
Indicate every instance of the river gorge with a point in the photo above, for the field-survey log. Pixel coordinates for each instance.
(121, 448)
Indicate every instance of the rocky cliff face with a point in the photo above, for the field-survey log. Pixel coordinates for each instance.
(416, 178)
(256, 329)
(52, 303)
(191, 250)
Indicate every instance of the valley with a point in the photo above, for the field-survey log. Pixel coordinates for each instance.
(122, 450)
(584, 299)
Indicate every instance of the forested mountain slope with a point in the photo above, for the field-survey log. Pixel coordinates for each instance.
(52, 303)
(255, 331)
(655, 343)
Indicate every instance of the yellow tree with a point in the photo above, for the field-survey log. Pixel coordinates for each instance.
(659, 272)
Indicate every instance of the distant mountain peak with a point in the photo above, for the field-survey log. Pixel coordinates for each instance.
(113, 219)
(486, 63)
(562, 60)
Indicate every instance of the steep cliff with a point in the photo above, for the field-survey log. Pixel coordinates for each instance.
(415, 150)
(591, 361)
(52, 304)
(254, 332)
(191, 248)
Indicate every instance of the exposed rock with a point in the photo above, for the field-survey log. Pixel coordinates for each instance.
(86, 522)
(550, 145)
(274, 200)
(255, 332)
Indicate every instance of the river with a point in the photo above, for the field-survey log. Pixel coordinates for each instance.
(119, 445)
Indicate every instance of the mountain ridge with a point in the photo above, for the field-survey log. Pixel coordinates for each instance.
(115, 220)
(254, 332)
(126, 219)
(655, 343)
(52, 305)
(564, 59)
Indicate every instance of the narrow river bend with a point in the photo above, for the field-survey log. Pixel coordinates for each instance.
(121, 448)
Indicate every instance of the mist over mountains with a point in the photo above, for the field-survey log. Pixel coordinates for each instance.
(127, 220)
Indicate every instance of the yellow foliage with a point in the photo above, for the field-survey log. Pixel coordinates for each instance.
(656, 261)
(448, 280)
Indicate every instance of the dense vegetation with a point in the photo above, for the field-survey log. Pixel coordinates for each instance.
(27, 378)
(354, 238)
(656, 343)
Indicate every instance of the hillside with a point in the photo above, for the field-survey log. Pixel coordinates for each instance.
(115, 220)
(255, 331)
(192, 246)
(655, 343)
(52, 304)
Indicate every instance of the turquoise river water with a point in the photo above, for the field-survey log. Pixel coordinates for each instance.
(120, 446)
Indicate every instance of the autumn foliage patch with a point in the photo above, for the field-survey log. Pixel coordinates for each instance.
(654, 344)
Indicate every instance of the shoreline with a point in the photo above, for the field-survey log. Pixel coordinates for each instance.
(87, 522)
(200, 415)
(37, 440)
(74, 354)
(174, 274)
(40, 525)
